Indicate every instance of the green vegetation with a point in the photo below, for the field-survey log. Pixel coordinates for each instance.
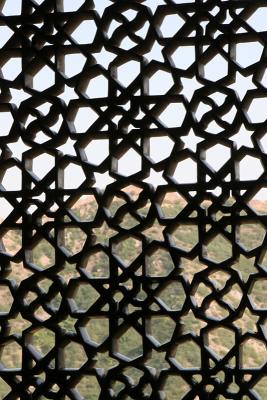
(170, 295)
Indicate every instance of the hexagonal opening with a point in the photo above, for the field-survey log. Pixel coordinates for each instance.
(254, 353)
(160, 83)
(42, 340)
(11, 180)
(171, 24)
(216, 68)
(250, 168)
(257, 19)
(128, 249)
(84, 296)
(42, 165)
(97, 329)
(85, 32)
(184, 56)
(73, 176)
(74, 356)
(74, 239)
(175, 387)
(188, 354)
(88, 387)
(130, 163)
(84, 119)
(85, 208)
(251, 235)
(221, 340)
(43, 254)
(43, 79)
(172, 204)
(73, 64)
(96, 265)
(173, 115)
(11, 8)
(186, 171)
(6, 122)
(128, 72)
(257, 295)
(217, 156)
(6, 299)
(97, 151)
(256, 110)
(97, 87)
(219, 249)
(164, 143)
(172, 296)
(12, 68)
(130, 344)
(5, 35)
(11, 355)
(158, 262)
(11, 241)
(185, 236)
(253, 48)
(160, 329)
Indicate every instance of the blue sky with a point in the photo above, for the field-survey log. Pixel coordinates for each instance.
(159, 83)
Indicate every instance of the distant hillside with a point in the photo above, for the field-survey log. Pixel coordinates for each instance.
(219, 340)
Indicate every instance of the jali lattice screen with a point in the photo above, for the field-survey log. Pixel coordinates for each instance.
(133, 150)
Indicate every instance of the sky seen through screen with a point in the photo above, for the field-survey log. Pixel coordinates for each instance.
(160, 82)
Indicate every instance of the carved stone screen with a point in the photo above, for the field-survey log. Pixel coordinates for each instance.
(133, 153)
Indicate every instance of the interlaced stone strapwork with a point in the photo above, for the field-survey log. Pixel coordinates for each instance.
(132, 183)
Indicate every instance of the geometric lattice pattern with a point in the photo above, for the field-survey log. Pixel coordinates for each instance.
(133, 153)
